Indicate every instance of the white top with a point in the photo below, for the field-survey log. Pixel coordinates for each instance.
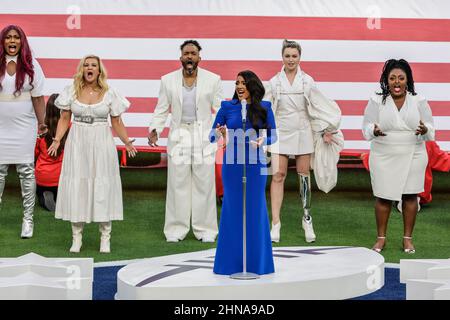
(112, 103)
(295, 135)
(189, 114)
(389, 118)
(18, 125)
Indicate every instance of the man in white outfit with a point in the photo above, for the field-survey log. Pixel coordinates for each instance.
(193, 95)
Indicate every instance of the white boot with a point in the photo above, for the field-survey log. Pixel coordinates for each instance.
(77, 236)
(275, 232)
(307, 225)
(105, 230)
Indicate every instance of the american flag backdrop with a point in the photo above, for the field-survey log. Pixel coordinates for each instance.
(345, 44)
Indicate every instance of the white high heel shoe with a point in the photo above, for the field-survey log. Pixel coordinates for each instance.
(275, 232)
(409, 250)
(379, 249)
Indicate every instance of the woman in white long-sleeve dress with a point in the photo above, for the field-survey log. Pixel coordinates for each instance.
(90, 188)
(290, 92)
(397, 122)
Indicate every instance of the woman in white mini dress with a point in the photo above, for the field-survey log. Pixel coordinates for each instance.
(287, 92)
(90, 188)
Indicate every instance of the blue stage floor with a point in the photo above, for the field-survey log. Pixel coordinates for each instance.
(105, 285)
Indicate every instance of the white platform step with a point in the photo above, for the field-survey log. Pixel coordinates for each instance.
(426, 279)
(35, 277)
(300, 273)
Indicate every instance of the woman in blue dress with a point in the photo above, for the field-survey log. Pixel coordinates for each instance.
(260, 131)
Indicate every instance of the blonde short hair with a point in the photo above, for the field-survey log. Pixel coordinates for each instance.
(78, 79)
(291, 44)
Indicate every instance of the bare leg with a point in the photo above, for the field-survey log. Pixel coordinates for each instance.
(279, 165)
(382, 212)
(409, 209)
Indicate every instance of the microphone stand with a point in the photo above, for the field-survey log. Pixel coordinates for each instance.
(244, 275)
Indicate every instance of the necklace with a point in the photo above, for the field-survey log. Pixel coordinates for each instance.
(91, 92)
(191, 86)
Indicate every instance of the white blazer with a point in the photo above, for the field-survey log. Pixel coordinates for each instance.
(170, 99)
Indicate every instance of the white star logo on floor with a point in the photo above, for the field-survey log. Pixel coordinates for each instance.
(32, 276)
(426, 279)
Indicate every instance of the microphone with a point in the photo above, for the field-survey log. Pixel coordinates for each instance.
(244, 110)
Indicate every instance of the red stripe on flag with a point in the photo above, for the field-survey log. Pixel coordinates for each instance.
(349, 134)
(354, 134)
(320, 71)
(357, 107)
(142, 132)
(223, 27)
(142, 105)
(348, 107)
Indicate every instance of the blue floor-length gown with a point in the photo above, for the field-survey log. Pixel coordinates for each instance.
(228, 259)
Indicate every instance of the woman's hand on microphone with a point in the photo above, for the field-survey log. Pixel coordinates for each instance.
(257, 143)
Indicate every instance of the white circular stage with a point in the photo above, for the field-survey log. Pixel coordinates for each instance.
(300, 273)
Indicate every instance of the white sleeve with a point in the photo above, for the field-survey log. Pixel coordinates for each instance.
(427, 119)
(117, 103)
(218, 95)
(38, 81)
(65, 98)
(161, 110)
(370, 118)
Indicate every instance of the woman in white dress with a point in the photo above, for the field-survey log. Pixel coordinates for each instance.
(90, 188)
(397, 122)
(21, 104)
(295, 137)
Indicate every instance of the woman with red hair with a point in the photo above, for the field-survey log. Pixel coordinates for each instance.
(22, 110)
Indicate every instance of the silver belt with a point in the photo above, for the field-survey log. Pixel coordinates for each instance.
(89, 119)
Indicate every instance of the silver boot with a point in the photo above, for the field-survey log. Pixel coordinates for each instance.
(28, 186)
(105, 230)
(305, 198)
(3, 174)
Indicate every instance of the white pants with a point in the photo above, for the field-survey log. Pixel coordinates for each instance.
(191, 192)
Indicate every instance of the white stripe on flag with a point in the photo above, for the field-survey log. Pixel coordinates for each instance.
(432, 9)
(240, 49)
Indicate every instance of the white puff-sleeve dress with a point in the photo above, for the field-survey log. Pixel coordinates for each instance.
(90, 189)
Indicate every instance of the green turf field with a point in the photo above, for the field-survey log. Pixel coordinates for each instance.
(345, 216)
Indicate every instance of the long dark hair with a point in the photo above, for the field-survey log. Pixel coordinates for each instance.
(52, 115)
(387, 68)
(24, 59)
(256, 113)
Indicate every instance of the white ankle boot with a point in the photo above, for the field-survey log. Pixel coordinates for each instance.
(309, 230)
(105, 230)
(77, 236)
(275, 232)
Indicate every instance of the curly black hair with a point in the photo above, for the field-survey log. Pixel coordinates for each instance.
(191, 42)
(389, 65)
